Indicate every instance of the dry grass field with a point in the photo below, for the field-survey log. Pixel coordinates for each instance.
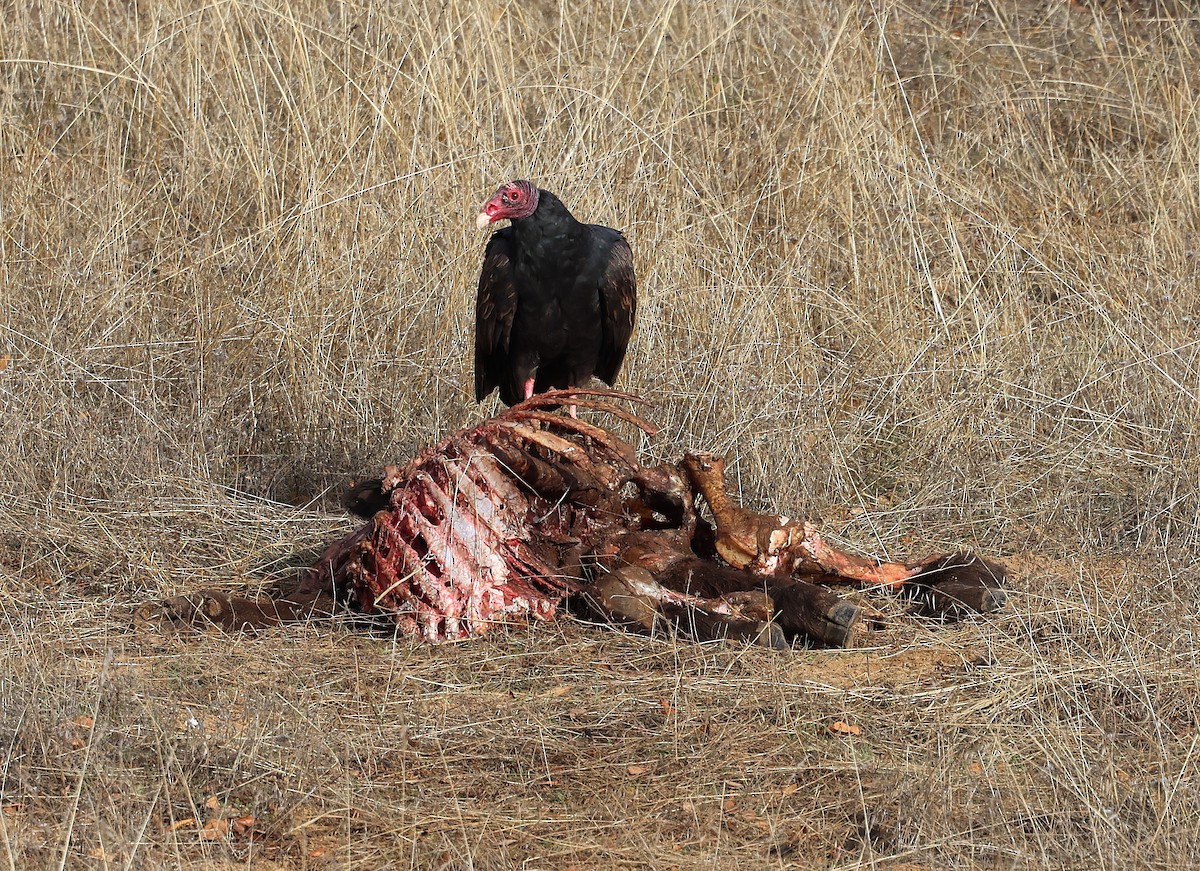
(928, 272)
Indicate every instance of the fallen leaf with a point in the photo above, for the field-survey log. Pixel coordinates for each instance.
(12, 809)
(729, 806)
(791, 789)
(560, 691)
(667, 708)
(181, 824)
(84, 722)
(214, 830)
(244, 824)
(635, 770)
(5, 360)
(838, 727)
(212, 802)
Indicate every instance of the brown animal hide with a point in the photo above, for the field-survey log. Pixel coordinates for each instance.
(503, 521)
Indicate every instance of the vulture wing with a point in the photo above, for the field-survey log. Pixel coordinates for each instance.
(494, 309)
(618, 308)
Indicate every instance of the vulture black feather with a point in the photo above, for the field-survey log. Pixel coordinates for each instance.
(557, 298)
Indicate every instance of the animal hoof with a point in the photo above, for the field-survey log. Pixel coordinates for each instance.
(957, 585)
(771, 635)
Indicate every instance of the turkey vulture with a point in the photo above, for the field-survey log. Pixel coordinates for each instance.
(556, 298)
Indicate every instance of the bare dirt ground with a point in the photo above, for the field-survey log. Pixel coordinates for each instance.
(925, 271)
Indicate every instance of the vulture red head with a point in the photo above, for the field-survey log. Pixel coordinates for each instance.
(517, 199)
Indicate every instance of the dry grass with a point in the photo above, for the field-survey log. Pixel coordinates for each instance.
(928, 271)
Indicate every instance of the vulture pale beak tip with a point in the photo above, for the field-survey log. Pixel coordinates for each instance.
(483, 220)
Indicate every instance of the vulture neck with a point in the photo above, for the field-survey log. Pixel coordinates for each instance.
(551, 222)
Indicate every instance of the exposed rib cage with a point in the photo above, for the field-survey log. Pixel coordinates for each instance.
(487, 525)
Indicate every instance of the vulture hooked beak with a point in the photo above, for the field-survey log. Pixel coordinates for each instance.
(517, 199)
